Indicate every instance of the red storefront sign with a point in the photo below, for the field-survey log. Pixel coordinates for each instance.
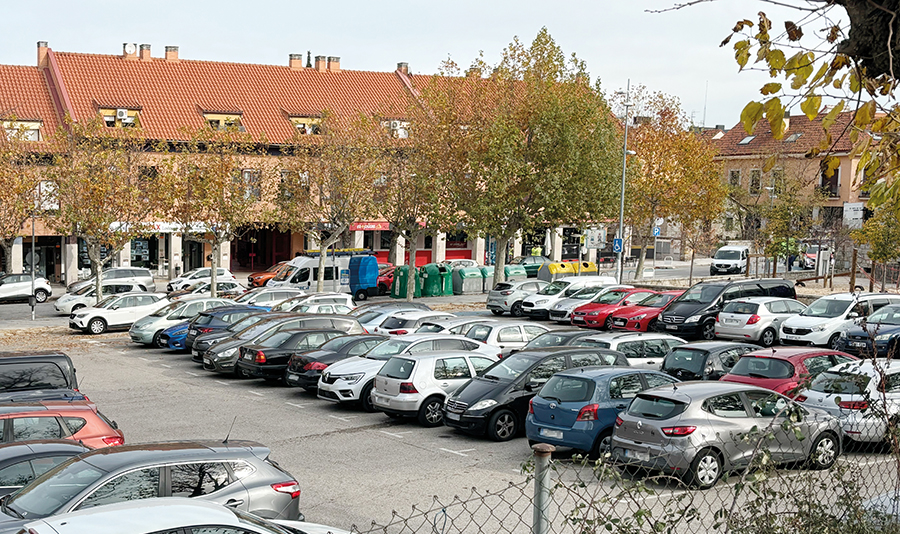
(370, 225)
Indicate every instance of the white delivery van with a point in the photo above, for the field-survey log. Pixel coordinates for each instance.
(730, 259)
(303, 273)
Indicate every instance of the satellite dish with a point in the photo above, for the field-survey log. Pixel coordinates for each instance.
(130, 48)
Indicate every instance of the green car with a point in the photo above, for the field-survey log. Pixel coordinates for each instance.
(531, 263)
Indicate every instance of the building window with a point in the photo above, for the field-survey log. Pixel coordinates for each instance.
(777, 181)
(251, 182)
(369, 239)
(428, 242)
(734, 178)
(729, 223)
(746, 140)
(23, 130)
(398, 129)
(755, 176)
(793, 137)
(831, 185)
(385, 240)
(47, 198)
(307, 125)
(120, 117)
(224, 121)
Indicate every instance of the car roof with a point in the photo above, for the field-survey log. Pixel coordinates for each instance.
(113, 458)
(852, 296)
(418, 314)
(418, 336)
(591, 278)
(713, 345)
(448, 322)
(430, 354)
(46, 406)
(222, 310)
(734, 247)
(790, 353)
(498, 324)
(21, 448)
(868, 367)
(699, 389)
(130, 293)
(550, 351)
(619, 336)
(759, 300)
(596, 371)
(35, 354)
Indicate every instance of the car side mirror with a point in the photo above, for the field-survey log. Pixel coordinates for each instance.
(852, 315)
(115, 307)
(531, 386)
(708, 371)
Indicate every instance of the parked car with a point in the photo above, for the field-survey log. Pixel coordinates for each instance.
(452, 325)
(305, 368)
(558, 338)
(783, 370)
(75, 420)
(259, 279)
(810, 256)
(339, 309)
(23, 461)
(537, 306)
(237, 473)
(643, 316)
(417, 385)
(203, 274)
(18, 287)
(532, 264)
(577, 408)
(268, 357)
(147, 330)
(506, 297)
(203, 341)
(225, 289)
(704, 360)
(730, 260)
(385, 280)
(506, 335)
(693, 314)
(116, 311)
(268, 296)
(351, 380)
(31, 376)
(880, 330)
(293, 303)
(372, 317)
(86, 296)
(862, 394)
(645, 350)
(140, 276)
(218, 319)
(403, 322)
(597, 313)
(824, 320)
(496, 402)
(561, 312)
(388, 305)
(175, 337)
(697, 431)
(756, 319)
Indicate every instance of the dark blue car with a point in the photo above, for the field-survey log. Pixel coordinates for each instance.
(883, 327)
(217, 319)
(173, 338)
(577, 408)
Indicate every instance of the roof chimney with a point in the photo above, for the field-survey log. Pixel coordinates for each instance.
(295, 61)
(172, 53)
(321, 63)
(42, 53)
(403, 67)
(334, 64)
(129, 51)
(145, 52)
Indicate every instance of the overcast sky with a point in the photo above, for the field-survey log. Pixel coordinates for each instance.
(675, 52)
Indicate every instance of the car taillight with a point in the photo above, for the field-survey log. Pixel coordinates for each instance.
(499, 355)
(408, 387)
(531, 406)
(506, 292)
(398, 332)
(753, 319)
(588, 413)
(678, 430)
(800, 398)
(292, 487)
(114, 441)
(314, 366)
(619, 421)
(717, 317)
(854, 405)
(260, 357)
(204, 330)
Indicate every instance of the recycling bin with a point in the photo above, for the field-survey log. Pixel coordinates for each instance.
(488, 273)
(515, 273)
(432, 283)
(467, 281)
(585, 268)
(398, 287)
(552, 271)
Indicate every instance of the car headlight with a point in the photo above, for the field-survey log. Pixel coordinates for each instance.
(694, 319)
(541, 301)
(594, 313)
(81, 316)
(637, 317)
(819, 328)
(883, 337)
(482, 404)
(227, 353)
(351, 379)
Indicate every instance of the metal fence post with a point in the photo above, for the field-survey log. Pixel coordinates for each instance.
(542, 451)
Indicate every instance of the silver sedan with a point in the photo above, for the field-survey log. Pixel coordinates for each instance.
(756, 319)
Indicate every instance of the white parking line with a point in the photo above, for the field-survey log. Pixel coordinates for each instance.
(296, 405)
(166, 366)
(344, 419)
(220, 382)
(459, 453)
(395, 435)
(145, 359)
(255, 393)
(192, 374)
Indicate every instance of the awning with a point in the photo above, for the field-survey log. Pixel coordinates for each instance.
(370, 225)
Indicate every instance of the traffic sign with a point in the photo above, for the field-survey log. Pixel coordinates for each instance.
(617, 245)
(656, 231)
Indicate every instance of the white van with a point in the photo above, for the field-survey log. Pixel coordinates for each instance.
(538, 305)
(730, 260)
(303, 273)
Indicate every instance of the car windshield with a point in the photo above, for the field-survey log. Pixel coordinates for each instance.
(592, 343)
(837, 382)
(84, 290)
(658, 300)
(398, 368)
(245, 322)
(812, 249)
(509, 368)
(610, 297)
(653, 407)
(887, 315)
(700, 294)
(368, 316)
(107, 302)
(587, 293)
(741, 308)
(397, 322)
(827, 308)
(247, 296)
(553, 288)
(517, 260)
(386, 349)
(549, 339)
(567, 389)
(689, 360)
(428, 328)
(166, 310)
(727, 255)
(285, 274)
(52, 490)
(196, 286)
(502, 286)
(763, 368)
(285, 305)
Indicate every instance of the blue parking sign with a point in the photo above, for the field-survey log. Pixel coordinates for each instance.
(617, 245)
(656, 231)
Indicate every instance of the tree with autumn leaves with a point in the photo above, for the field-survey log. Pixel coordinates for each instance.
(19, 181)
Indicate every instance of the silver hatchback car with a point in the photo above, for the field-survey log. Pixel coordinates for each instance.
(755, 319)
(696, 430)
(506, 297)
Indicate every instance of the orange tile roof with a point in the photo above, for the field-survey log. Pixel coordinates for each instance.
(24, 92)
(811, 134)
(174, 95)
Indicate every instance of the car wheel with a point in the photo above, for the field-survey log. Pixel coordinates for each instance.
(77, 307)
(382, 290)
(601, 445)
(238, 372)
(497, 312)
(824, 451)
(40, 295)
(97, 326)
(365, 397)
(834, 342)
(361, 294)
(502, 426)
(708, 330)
(767, 338)
(516, 310)
(155, 341)
(706, 469)
(607, 324)
(430, 414)
(651, 326)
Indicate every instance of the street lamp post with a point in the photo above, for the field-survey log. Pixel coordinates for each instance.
(625, 152)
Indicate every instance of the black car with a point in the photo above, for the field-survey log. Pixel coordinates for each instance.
(881, 328)
(35, 376)
(496, 402)
(305, 368)
(217, 319)
(203, 342)
(704, 360)
(23, 461)
(692, 315)
(268, 357)
(558, 338)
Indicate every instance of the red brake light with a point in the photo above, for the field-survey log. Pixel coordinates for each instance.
(717, 317)
(588, 413)
(260, 357)
(753, 319)
(619, 421)
(314, 366)
(854, 405)
(506, 292)
(398, 332)
(678, 430)
(291, 487)
(800, 398)
(408, 387)
(204, 330)
(531, 406)
(114, 441)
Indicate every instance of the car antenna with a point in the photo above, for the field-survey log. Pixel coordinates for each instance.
(225, 441)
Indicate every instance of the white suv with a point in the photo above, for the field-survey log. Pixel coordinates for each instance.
(407, 321)
(823, 321)
(86, 296)
(646, 350)
(18, 287)
(116, 311)
(418, 384)
(199, 275)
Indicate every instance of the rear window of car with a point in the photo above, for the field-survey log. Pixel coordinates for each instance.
(567, 389)
(203, 319)
(835, 382)
(19, 376)
(367, 317)
(430, 327)
(741, 308)
(592, 343)
(653, 407)
(763, 368)
(502, 285)
(394, 322)
(399, 368)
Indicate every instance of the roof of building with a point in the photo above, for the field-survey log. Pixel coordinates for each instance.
(24, 93)
(801, 134)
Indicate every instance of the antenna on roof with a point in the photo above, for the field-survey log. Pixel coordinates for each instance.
(225, 441)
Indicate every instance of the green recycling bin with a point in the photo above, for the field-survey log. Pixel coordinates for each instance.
(432, 283)
(467, 281)
(398, 288)
(515, 273)
(487, 271)
(446, 279)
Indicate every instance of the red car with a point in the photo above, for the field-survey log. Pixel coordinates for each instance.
(783, 369)
(259, 279)
(642, 317)
(598, 312)
(385, 279)
(75, 421)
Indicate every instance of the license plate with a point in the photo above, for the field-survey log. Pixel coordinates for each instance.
(637, 455)
(383, 400)
(453, 416)
(247, 356)
(791, 337)
(860, 344)
(195, 353)
(292, 376)
(555, 434)
(192, 332)
(578, 319)
(730, 321)
(619, 322)
(207, 361)
(672, 327)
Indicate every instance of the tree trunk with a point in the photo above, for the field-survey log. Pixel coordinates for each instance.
(214, 267)
(500, 261)
(691, 270)
(411, 273)
(639, 268)
(96, 269)
(7, 245)
(323, 255)
(774, 265)
(392, 253)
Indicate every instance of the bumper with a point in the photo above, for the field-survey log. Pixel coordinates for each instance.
(339, 391)
(591, 321)
(633, 326)
(580, 437)
(262, 371)
(400, 404)
(176, 343)
(858, 427)
(141, 337)
(740, 334)
(730, 269)
(221, 365)
(78, 324)
(476, 424)
(559, 315)
(813, 338)
(302, 379)
(671, 459)
(63, 308)
(535, 313)
(498, 304)
(680, 330)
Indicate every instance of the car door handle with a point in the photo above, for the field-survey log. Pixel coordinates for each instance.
(234, 503)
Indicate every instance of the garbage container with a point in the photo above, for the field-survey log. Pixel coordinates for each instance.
(488, 273)
(446, 279)
(551, 271)
(432, 283)
(585, 268)
(363, 277)
(467, 281)
(515, 273)
(398, 288)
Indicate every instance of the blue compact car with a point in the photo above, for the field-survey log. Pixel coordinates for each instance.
(881, 328)
(577, 408)
(174, 337)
